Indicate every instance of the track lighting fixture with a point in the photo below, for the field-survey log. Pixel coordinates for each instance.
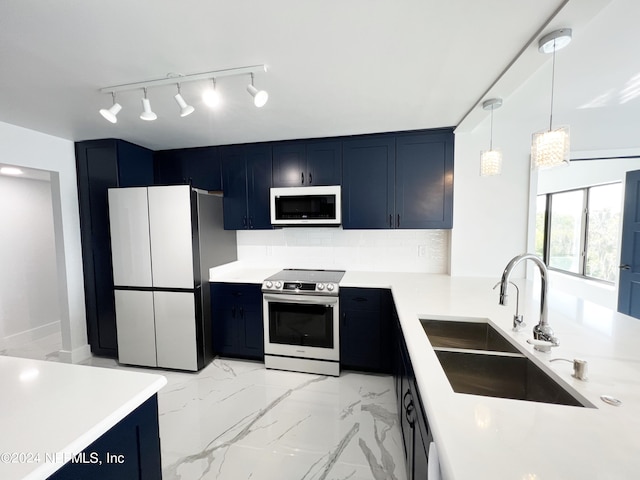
(550, 148)
(111, 112)
(147, 114)
(184, 108)
(210, 97)
(260, 97)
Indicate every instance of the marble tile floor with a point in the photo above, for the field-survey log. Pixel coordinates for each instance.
(237, 420)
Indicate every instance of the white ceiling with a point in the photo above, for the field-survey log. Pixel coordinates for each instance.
(336, 67)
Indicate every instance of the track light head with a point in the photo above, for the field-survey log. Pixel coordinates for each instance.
(211, 97)
(185, 109)
(260, 97)
(147, 114)
(111, 112)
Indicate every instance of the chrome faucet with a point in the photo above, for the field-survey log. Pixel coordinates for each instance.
(542, 332)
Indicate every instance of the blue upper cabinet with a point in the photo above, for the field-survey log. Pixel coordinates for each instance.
(307, 163)
(246, 179)
(368, 179)
(199, 167)
(398, 181)
(424, 180)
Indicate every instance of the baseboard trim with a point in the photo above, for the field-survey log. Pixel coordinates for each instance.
(18, 339)
(76, 355)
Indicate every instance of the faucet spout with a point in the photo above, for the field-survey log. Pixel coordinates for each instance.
(542, 331)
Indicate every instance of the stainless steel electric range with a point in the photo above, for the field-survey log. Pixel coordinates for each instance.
(301, 321)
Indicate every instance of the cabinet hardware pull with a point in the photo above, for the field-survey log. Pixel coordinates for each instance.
(302, 174)
(398, 222)
(233, 312)
(310, 178)
(624, 267)
(250, 222)
(241, 312)
(244, 221)
(390, 221)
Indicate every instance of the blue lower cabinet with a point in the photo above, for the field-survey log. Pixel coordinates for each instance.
(365, 330)
(414, 425)
(237, 323)
(131, 450)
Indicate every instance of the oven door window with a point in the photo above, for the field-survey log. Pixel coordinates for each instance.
(301, 324)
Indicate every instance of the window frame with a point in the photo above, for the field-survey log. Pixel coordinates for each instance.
(584, 231)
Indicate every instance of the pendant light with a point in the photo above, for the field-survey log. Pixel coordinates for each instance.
(260, 97)
(185, 109)
(550, 148)
(111, 112)
(491, 160)
(211, 97)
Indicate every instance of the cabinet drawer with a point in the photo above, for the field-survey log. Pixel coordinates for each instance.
(358, 299)
(245, 293)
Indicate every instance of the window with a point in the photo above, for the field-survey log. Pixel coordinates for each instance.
(577, 231)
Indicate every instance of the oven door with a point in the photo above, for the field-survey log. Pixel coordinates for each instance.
(303, 326)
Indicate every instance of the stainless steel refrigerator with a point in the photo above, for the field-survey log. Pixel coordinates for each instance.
(163, 241)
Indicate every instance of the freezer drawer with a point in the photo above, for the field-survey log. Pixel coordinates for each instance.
(136, 327)
(176, 330)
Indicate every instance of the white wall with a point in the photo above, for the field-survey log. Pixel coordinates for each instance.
(28, 278)
(335, 248)
(27, 148)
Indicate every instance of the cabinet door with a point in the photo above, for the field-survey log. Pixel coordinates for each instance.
(289, 165)
(368, 179)
(136, 327)
(199, 167)
(234, 186)
(97, 166)
(135, 165)
(424, 180)
(175, 317)
(258, 160)
(360, 329)
(324, 163)
(252, 331)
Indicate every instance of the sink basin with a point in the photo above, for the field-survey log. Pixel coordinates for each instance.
(502, 375)
(466, 335)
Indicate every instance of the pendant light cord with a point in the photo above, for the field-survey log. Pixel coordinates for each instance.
(491, 137)
(553, 75)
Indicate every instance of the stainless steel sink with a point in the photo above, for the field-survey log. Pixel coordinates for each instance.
(466, 335)
(502, 375)
(478, 360)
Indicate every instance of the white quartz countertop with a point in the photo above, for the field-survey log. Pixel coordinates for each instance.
(52, 411)
(492, 438)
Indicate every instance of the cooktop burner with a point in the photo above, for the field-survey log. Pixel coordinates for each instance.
(305, 282)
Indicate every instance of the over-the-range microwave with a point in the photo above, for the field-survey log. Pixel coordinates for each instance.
(306, 206)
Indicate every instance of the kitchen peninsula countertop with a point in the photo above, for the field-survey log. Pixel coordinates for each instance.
(52, 411)
(492, 438)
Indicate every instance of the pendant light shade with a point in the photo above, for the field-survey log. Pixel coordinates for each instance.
(211, 97)
(551, 148)
(260, 97)
(491, 160)
(185, 109)
(147, 114)
(111, 112)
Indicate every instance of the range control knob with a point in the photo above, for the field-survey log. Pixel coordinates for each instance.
(278, 284)
(330, 287)
(268, 284)
(320, 286)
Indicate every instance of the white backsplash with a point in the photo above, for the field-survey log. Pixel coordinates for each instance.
(424, 251)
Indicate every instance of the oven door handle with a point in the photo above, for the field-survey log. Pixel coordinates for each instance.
(302, 299)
